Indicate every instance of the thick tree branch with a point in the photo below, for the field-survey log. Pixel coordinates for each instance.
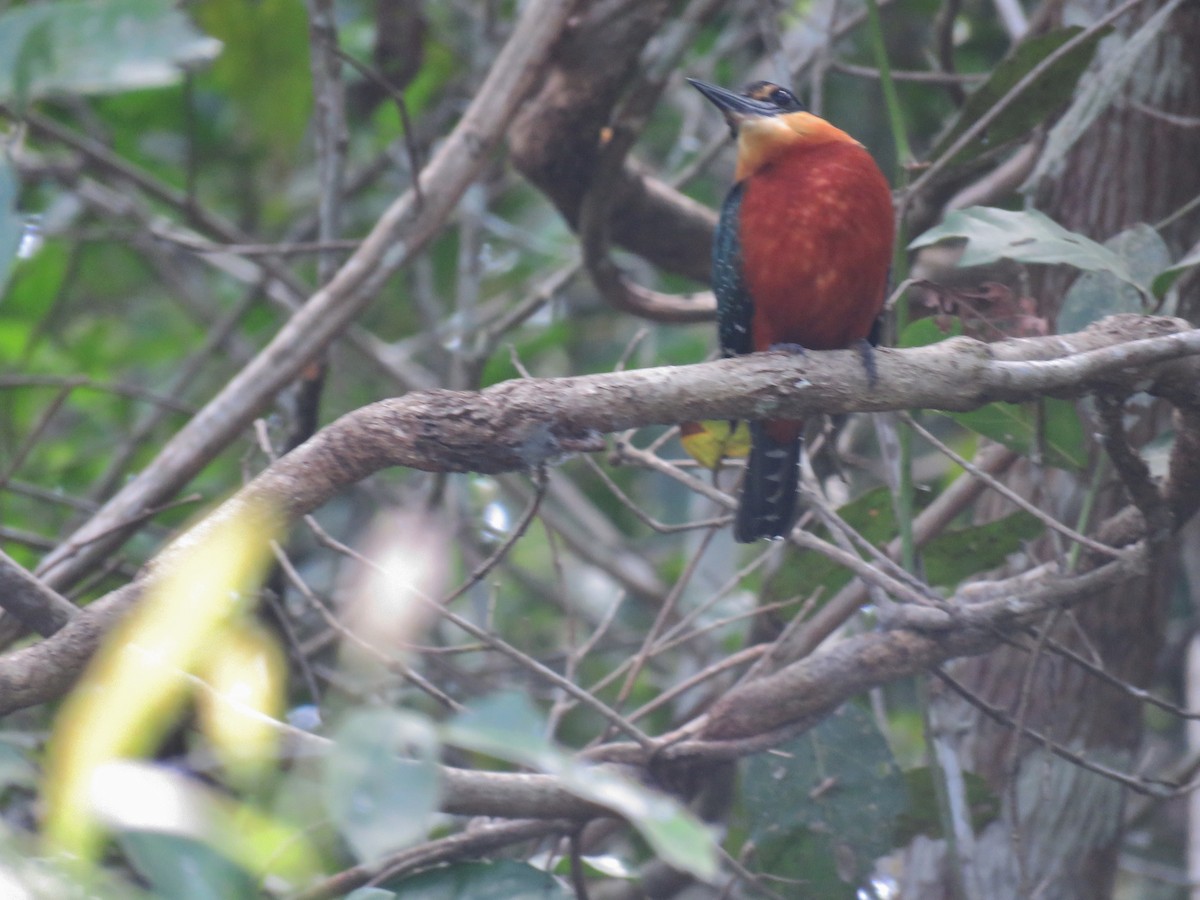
(519, 424)
(598, 205)
(533, 418)
(556, 141)
(808, 689)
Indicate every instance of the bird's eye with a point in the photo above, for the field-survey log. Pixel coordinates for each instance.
(782, 98)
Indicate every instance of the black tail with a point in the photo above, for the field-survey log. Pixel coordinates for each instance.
(768, 504)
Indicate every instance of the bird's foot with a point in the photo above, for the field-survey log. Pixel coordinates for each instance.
(867, 351)
(787, 347)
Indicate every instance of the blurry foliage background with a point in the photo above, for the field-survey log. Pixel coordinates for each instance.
(119, 318)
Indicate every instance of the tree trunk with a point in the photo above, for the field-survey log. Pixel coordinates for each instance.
(1060, 826)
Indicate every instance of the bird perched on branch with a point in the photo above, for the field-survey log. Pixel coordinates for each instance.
(801, 260)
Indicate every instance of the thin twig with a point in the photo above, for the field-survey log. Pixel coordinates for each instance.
(501, 646)
(664, 612)
(406, 125)
(390, 662)
(950, 78)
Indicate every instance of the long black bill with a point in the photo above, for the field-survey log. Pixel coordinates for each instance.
(735, 107)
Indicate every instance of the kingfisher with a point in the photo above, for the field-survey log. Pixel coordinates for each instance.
(800, 261)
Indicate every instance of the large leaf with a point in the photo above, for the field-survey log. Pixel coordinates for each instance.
(380, 800)
(247, 680)
(185, 869)
(96, 47)
(143, 801)
(1025, 236)
(503, 880)
(712, 441)
(821, 808)
(1096, 94)
(1017, 426)
(1039, 101)
(1095, 295)
(508, 727)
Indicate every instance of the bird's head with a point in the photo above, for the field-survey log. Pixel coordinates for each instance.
(766, 120)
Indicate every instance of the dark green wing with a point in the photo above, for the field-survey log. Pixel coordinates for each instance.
(734, 306)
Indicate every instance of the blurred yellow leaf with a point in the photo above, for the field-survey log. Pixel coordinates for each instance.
(135, 686)
(711, 441)
(246, 674)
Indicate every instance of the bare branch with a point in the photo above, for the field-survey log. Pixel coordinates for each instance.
(825, 679)
(556, 140)
(34, 604)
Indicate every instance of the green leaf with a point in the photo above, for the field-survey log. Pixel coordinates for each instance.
(503, 880)
(821, 807)
(958, 554)
(380, 799)
(265, 65)
(1016, 427)
(185, 869)
(1028, 237)
(1096, 93)
(507, 726)
(25, 43)
(1095, 295)
(1168, 276)
(1039, 102)
(96, 47)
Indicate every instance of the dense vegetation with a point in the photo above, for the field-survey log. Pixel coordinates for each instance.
(483, 631)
